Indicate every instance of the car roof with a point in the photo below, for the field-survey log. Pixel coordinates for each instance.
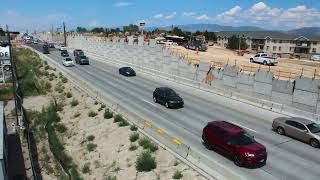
(228, 127)
(165, 89)
(301, 120)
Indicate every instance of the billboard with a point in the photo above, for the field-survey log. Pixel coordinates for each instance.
(4, 53)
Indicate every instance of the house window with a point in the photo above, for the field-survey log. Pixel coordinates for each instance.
(268, 40)
(279, 48)
(315, 43)
(280, 41)
(291, 49)
(274, 48)
(274, 41)
(267, 48)
(313, 50)
(292, 42)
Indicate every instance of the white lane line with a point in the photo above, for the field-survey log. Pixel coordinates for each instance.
(244, 127)
(149, 102)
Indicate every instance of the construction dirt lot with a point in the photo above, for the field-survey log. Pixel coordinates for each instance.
(285, 69)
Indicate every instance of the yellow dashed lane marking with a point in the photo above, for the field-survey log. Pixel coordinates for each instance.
(177, 141)
(161, 131)
(148, 123)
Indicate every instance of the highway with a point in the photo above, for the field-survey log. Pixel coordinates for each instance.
(288, 159)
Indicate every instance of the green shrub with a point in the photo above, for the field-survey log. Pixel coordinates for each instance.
(91, 147)
(59, 88)
(177, 175)
(96, 102)
(111, 178)
(90, 138)
(133, 147)
(86, 168)
(50, 78)
(147, 144)
(100, 109)
(134, 137)
(107, 114)
(103, 106)
(64, 80)
(76, 115)
(47, 67)
(133, 128)
(123, 123)
(69, 94)
(92, 114)
(145, 162)
(118, 118)
(47, 86)
(74, 102)
(61, 128)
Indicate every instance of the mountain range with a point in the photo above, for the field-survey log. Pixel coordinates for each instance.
(309, 31)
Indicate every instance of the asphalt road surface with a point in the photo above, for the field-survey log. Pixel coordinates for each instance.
(288, 159)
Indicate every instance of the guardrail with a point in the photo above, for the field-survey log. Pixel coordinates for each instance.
(185, 153)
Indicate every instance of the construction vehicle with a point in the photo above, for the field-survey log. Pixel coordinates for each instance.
(196, 43)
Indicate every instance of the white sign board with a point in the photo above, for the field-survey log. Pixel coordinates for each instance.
(4, 53)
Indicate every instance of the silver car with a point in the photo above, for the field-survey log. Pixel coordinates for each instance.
(299, 128)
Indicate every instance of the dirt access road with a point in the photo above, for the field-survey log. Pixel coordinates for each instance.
(286, 68)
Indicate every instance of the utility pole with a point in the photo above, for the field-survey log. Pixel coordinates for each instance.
(64, 34)
(52, 33)
(239, 44)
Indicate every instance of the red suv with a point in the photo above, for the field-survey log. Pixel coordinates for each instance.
(234, 141)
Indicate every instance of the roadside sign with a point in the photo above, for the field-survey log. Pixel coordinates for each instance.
(4, 53)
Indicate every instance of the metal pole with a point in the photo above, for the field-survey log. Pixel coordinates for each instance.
(14, 76)
(239, 44)
(64, 34)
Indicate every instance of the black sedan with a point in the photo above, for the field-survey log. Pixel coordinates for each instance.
(127, 71)
(64, 54)
(168, 97)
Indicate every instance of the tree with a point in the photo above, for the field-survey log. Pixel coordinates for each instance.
(210, 36)
(132, 28)
(233, 43)
(2, 33)
(81, 29)
(178, 32)
(198, 33)
(98, 30)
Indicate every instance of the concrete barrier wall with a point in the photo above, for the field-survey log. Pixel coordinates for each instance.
(302, 93)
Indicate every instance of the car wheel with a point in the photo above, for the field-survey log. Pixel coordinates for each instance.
(280, 131)
(207, 144)
(167, 105)
(238, 161)
(314, 143)
(251, 60)
(264, 62)
(6, 68)
(155, 99)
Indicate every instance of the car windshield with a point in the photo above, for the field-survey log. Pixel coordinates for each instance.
(83, 57)
(68, 59)
(171, 93)
(242, 139)
(314, 128)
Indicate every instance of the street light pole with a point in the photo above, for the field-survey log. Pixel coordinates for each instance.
(239, 44)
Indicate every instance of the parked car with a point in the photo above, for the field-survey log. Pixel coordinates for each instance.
(315, 57)
(166, 42)
(62, 48)
(78, 52)
(168, 97)
(68, 62)
(234, 142)
(299, 128)
(64, 53)
(35, 42)
(82, 60)
(127, 71)
(264, 59)
(210, 43)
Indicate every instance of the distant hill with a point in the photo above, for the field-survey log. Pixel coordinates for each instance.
(306, 31)
(208, 27)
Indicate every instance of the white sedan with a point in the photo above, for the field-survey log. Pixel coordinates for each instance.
(67, 62)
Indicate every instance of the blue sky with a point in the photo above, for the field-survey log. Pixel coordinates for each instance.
(272, 14)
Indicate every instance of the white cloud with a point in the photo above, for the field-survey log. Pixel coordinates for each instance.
(188, 13)
(260, 14)
(203, 17)
(157, 16)
(121, 4)
(172, 15)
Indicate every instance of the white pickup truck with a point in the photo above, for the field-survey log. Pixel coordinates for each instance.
(264, 59)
